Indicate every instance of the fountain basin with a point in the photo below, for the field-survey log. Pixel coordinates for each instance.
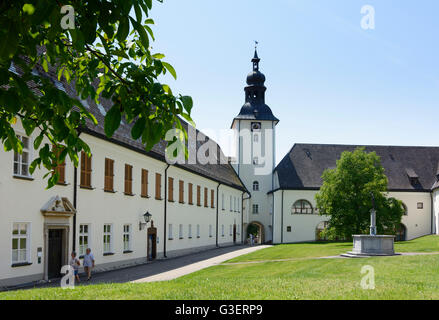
(369, 245)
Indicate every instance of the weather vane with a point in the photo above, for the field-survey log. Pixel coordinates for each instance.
(256, 44)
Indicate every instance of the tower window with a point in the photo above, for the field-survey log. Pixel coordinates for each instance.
(255, 209)
(255, 137)
(256, 126)
(255, 186)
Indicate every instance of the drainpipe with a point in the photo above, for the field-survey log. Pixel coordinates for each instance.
(75, 203)
(217, 214)
(75, 200)
(165, 213)
(282, 219)
(239, 145)
(432, 212)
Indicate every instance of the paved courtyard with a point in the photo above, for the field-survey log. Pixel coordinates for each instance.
(165, 269)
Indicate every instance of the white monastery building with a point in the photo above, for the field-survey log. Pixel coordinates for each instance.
(102, 204)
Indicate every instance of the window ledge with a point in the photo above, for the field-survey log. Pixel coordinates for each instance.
(188, 237)
(181, 202)
(86, 187)
(129, 194)
(146, 197)
(23, 178)
(128, 251)
(171, 200)
(22, 264)
(64, 184)
(110, 191)
(198, 237)
(160, 199)
(191, 204)
(181, 238)
(170, 238)
(109, 254)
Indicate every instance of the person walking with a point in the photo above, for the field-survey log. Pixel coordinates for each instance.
(89, 263)
(75, 263)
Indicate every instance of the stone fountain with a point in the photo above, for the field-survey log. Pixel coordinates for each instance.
(372, 244)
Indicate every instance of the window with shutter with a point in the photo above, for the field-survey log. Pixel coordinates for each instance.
(190, 194)
(171, 189)
(158, 186)
(181, 192)
(128, 179)
(199, 196)
(109, 175)
(85, 171)
(212, 198)
(206, 191)
(144, 191)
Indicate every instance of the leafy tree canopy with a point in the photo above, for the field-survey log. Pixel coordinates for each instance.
(345, 196)
(105, 53)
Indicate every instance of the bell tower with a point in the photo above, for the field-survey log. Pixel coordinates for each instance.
(255, 156)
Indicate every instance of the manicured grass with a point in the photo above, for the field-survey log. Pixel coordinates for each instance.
(324, 249)
(401, 277)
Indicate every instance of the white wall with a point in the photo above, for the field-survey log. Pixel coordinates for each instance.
(303, 227)
(250, 173)
(436, 211)
(417, 221)
(21, 201)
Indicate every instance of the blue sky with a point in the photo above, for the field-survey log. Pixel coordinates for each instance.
(328, 80)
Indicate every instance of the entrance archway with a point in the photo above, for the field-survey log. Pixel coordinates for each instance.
(401, 233)
(257, 229)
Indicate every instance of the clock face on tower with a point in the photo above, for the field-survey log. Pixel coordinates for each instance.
(256, 126)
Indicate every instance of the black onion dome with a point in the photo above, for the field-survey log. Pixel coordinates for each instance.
(255, 78)
(255, 107)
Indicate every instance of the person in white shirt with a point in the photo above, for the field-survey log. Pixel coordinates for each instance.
(75, 263)
(89, 263)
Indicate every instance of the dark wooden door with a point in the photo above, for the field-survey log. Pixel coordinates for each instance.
(234, 233)
(152, 244)
(55, 253)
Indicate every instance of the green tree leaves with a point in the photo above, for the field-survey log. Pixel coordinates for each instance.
(345, 196)
(106, 56)
(112, 120)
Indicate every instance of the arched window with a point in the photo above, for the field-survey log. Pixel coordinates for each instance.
(255, 186)
(406, 211)
(302, 207)
(401, 233)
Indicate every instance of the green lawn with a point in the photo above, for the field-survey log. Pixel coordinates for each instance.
(401, 277)
(313, 249)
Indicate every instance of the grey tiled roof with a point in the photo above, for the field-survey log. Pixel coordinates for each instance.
(223, 173)
(303, 166)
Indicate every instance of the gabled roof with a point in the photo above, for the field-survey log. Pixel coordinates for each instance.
(303, 166)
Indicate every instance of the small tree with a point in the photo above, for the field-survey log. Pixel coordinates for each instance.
(345, 196)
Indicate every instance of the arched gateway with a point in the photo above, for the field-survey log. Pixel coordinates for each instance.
(257, 229)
